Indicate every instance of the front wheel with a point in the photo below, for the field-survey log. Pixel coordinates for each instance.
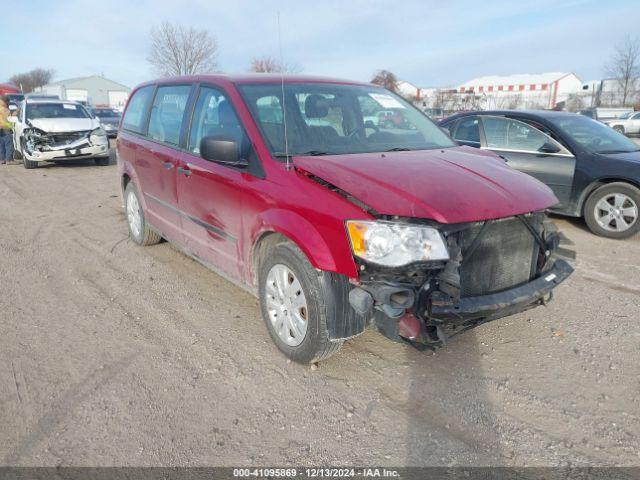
(612, 210)
(295, 305)
(619, 129)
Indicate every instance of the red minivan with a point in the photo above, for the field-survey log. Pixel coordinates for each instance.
(336, 224)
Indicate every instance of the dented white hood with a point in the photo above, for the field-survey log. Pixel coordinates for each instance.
(59, 125)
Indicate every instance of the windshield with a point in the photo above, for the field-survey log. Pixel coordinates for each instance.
(327, 119)
(106, 112)
(55, 110)
(593, 135)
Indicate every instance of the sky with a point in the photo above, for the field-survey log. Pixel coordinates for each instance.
(428, 43)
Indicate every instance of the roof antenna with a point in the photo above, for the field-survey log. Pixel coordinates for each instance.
(284, 107)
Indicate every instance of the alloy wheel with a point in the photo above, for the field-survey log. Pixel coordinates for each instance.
(616, 212)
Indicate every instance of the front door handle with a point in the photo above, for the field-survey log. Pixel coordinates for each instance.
(184, 171)
(167, 165)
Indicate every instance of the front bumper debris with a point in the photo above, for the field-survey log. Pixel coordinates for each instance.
(496, 268)
(502, 304)
(40, 146)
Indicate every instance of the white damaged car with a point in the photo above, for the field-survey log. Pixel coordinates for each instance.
(57, 130)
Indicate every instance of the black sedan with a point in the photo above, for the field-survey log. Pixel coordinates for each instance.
(593, 170)
(109, 118)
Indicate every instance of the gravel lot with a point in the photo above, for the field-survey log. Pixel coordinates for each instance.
(111, 354)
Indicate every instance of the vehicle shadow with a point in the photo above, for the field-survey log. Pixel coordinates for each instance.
(578, 223)
(452, 418)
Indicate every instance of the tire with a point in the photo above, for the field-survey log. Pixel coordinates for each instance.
(101, 161)
(619, 129)
(319, 306)
(605, 198)
(29, 164)
(17, 154)
(140, 232)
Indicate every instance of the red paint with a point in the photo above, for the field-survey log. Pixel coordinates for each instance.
(6, 88)
(409, 326)
(453, 185)
(450, 186)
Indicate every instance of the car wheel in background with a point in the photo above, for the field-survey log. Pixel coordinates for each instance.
(297, 302)
(139, 230)
(29, 164)
(101, 161)
(613, 210)
(619, 129)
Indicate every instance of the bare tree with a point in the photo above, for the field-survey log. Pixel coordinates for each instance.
(267, 64)
(29, 81)
(386, 79)
(624, 65)
(182, 50)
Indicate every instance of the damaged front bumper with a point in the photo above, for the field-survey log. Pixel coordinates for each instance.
(497, 268)
(39, 146)
(502, 304)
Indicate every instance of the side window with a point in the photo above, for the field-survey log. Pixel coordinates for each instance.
(167, 113)
(636, 116)
(468, 130)
(136, 113)
(269, 111)
(449, 127)
(213, 117)
(512, 134)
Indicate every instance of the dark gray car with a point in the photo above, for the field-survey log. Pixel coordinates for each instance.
(109, 118)
(593, 170)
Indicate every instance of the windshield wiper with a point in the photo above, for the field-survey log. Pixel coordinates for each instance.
(617, 151)
(398, 149)
(310, 153)
(316, 153)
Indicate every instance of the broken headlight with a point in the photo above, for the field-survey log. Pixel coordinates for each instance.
(98, 136)
(395, 244)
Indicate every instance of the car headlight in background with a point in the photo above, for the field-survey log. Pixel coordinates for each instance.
(395, 244)
(98, 136)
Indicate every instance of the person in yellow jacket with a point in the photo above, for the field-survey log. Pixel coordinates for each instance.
(6, 133)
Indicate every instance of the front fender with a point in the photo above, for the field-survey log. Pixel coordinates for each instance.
(326, 246)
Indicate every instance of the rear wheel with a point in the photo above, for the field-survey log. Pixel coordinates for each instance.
(101, 161)
(139, 230)
(295, 306)
(613, 210)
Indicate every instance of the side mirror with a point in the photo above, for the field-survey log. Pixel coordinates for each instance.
(549, 147)
(222, 150)
(12, 107)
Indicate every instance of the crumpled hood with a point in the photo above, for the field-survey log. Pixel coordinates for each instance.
(453, 185)
(59, 125)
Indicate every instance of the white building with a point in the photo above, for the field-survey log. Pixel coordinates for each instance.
(543, 90)
(94, 90)
(609, 93)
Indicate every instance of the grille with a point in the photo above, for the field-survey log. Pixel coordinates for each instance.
(503, 258)
(66, 138)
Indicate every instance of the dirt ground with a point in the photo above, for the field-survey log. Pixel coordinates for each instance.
(112, 354)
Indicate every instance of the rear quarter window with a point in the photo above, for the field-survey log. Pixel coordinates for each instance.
(136, 113)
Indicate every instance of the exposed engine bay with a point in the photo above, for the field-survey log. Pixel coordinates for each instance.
(36, 140)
